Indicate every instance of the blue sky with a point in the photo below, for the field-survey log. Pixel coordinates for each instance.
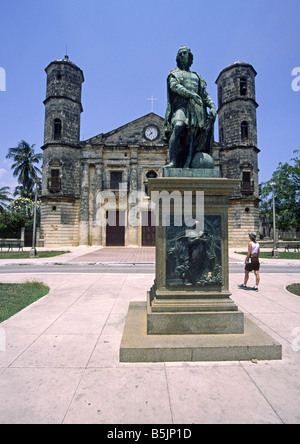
(127, 47)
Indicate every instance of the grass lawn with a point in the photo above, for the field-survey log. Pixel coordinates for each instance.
(25, 254)
(15, 297)
(294, 288)
(282, 254)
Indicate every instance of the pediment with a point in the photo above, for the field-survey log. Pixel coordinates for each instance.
(132, 132)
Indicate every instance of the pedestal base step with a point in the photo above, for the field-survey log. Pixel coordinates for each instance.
(195, 323)
(193, 316)
(169, 305)
(138, 346)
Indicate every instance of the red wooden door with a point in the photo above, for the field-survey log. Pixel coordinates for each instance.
(115, 229)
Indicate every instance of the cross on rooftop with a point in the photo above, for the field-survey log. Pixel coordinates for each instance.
(152, 100)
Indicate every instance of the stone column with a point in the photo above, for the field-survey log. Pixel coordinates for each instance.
(132, 224)
(97, 224)
(133, 168)
(84, 206)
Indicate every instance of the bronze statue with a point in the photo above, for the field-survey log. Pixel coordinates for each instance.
(189, 128)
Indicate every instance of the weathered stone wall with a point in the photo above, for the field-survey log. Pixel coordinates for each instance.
(235, 108)
(67, 160)
(233, 162)
(63, 100)
(64, 79)
(243, 217)
(230, 120)
(60, 219)
(69, 115)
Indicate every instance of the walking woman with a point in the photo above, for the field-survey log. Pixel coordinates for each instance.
(252, 262)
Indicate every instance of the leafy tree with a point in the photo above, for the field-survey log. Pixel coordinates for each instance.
(24, 206)
(287, 195)
(17, 215)
(295, 172)
(4, 198)
(11, 223)
(24, 166)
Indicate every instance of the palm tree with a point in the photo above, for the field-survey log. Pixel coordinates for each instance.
(20, 191)
(24, 167)
(4, 199)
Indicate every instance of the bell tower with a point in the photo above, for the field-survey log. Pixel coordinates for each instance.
(61, 153)
(238, 147)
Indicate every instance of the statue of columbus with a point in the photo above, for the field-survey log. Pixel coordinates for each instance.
(189, 127)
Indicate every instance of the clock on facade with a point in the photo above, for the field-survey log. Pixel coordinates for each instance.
(151, 132)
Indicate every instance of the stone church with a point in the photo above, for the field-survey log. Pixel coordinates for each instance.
(94, 192)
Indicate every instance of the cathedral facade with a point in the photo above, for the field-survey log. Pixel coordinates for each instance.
(94, 192)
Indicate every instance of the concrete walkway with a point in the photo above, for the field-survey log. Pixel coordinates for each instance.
(59, 357)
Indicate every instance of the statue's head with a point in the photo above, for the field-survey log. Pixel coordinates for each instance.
(184, 57)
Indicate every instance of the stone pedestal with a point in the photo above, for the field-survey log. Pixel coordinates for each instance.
(191, 291)
(138, 346)
(189, 305)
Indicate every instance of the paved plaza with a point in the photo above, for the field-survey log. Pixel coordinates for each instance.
(59, 357)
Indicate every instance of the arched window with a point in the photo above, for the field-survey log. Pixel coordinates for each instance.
(246, 177)
(247, 185)
(243, 86)
(151, 174)
(244, 131)
(57, 129)
(55, 177)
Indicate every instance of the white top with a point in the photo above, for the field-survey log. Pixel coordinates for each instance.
(254, 248)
